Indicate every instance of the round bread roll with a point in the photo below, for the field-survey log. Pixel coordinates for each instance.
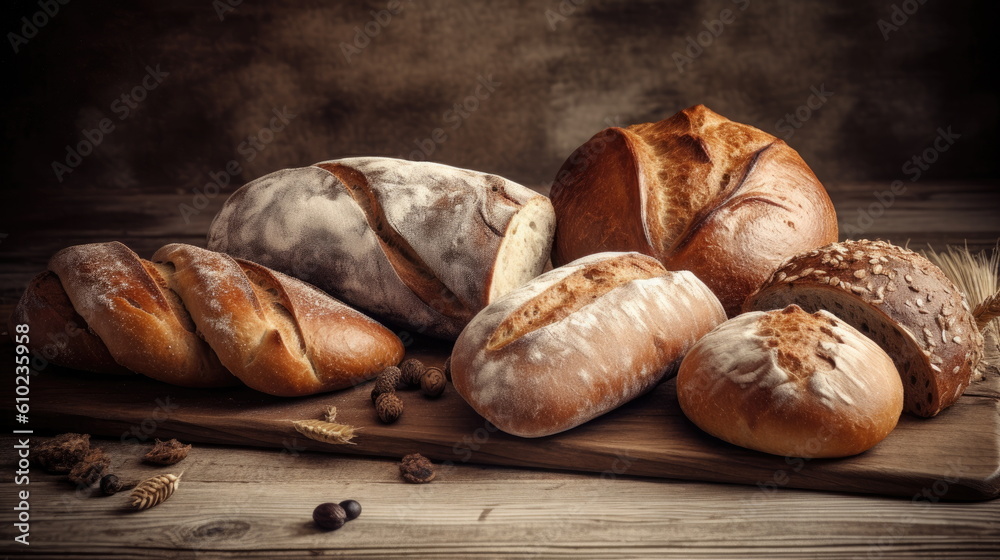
(697, 191)
(899, 299)
(791, 383)
(579, 341)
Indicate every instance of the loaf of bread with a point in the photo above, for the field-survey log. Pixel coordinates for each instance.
(900, 300)
(198, 318)
(579, 341)
(422, 245)
(58, 333)
(791, 383)
(697, 191)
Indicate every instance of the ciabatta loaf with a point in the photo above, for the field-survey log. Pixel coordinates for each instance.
(578, 341)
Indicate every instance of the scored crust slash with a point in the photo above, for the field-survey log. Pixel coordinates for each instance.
(694, 244)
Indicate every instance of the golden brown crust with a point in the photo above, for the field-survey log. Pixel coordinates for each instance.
(791, 383)
(614, 347)
(188, 317)
(896, 296)
(57, 332)
(123, 300)
(277, 334)
(697, 191)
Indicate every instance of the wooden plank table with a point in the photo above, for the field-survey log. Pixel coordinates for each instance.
(246, 502)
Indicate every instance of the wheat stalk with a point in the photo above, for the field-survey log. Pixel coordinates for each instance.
(986, 311)
(154, 491)
(327, 432)
(977, 276)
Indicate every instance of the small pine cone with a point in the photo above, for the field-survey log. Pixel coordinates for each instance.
(91, 468)
(389, 407)
(386, 382)
(433, 381)
(167, 452)
(412, 369)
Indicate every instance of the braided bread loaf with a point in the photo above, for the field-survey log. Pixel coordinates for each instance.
(198, 318)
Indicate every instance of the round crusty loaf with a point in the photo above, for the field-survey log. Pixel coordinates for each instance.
(791, 383)
(699, 192)
(277, 334)
(174, 319)
(420, 244)
(579, 341)
(900, 300)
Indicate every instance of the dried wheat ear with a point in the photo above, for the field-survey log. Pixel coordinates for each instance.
(154, 491)
(326, 430)
(978, 276)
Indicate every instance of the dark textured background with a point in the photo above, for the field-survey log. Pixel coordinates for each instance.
(607, 61)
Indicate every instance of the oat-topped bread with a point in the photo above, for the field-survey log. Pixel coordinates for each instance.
(900, 300)
(791, 383)
(423, 245)
(697, 191)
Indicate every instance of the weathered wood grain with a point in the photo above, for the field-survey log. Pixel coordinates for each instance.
(253, 503)
(957, 454)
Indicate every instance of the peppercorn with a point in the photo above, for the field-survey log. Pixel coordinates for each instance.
(432, 382)
(352, 508)
(111, 484)
(330, 516)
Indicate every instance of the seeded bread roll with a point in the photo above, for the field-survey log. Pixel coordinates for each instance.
(791, 383)
(175, 318)
(900, 300)
(579, 341)
(697, 191)
(420, 244)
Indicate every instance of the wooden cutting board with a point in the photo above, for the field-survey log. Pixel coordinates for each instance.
(955, 456)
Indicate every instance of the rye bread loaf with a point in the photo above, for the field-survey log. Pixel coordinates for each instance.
(697, 191)
(900, 300)
(579, 341)
(791, 383)
(423, 245)
(174, 319)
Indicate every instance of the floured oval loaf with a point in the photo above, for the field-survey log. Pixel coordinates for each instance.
(579, 341)
(423, 245)
(900, 300)
(791, 383)
(697, 191)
